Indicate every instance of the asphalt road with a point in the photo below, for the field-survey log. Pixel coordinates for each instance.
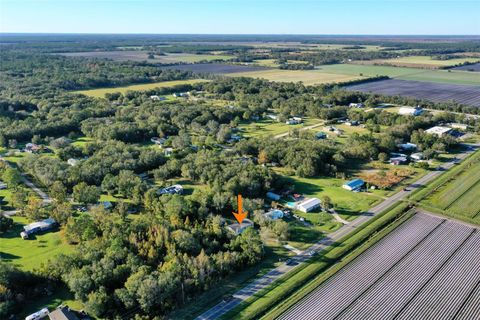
(262, 282)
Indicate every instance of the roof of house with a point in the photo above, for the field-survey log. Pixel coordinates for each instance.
(355, 183)
(62, 313)
(47, 223)
(309, 203)
(438, 130)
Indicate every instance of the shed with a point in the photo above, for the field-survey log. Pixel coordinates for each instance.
(273, 196)
(354, 184)
(274, 214)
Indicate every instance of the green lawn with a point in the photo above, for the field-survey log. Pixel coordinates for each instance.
(29, 254)
(266, 127)
(348, 204)
(100, 92)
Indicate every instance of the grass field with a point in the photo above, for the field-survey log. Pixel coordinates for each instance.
(272, 63)
(100, 92)
(419, 62)
(266, 127)
(402, 73)
(338, 73)
(458, 193)
(308, 77)
(29, 254)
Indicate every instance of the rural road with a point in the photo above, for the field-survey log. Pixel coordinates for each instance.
(262, 282)
(301, 129)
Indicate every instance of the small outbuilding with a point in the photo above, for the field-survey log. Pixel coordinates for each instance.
(353, 185)
(175, 189)
(410, 111)
(273, 196)
(274, 214)
(439, 131)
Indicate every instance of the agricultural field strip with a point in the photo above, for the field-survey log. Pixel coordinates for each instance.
(470, 309)
(474, 67)
(433, 262)
(389, 295)
(437, 92)
(458, 187)
(446, 292)
(341, 290)
(469, 203)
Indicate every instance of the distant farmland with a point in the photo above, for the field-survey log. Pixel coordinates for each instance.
(418, 62)
(308, 77)
(427, 268)
(472, 67)
(437, 92)
(100, 92)
(217, 68)
(138, 55)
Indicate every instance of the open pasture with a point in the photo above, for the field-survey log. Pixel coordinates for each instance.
(412, 273)
(100, 92)
(29, 254)
(308, 77)
(418, 62)
(459, 196)
(437, 92)
(139, 55)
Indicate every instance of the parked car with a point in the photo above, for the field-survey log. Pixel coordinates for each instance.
(291, 262)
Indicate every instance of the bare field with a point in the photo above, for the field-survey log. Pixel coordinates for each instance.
(138, 55)
(308, 77)
(437, 92)
(427, 268)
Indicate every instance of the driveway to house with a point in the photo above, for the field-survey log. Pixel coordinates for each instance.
(45, 198)
(262, 282)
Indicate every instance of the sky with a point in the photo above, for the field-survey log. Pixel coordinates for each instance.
(406, 17)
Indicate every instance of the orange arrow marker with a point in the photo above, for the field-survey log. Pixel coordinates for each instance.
(241, 214)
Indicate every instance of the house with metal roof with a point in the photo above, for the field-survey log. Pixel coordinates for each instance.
(308, 205)
(39, 226)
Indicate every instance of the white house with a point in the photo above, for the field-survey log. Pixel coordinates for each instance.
(175, 189)
(356, 105)
(438, 130)
(416, 156)
(407, 146)
(308, 205)
(410, 111)
(294, 120)
(39, 226)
